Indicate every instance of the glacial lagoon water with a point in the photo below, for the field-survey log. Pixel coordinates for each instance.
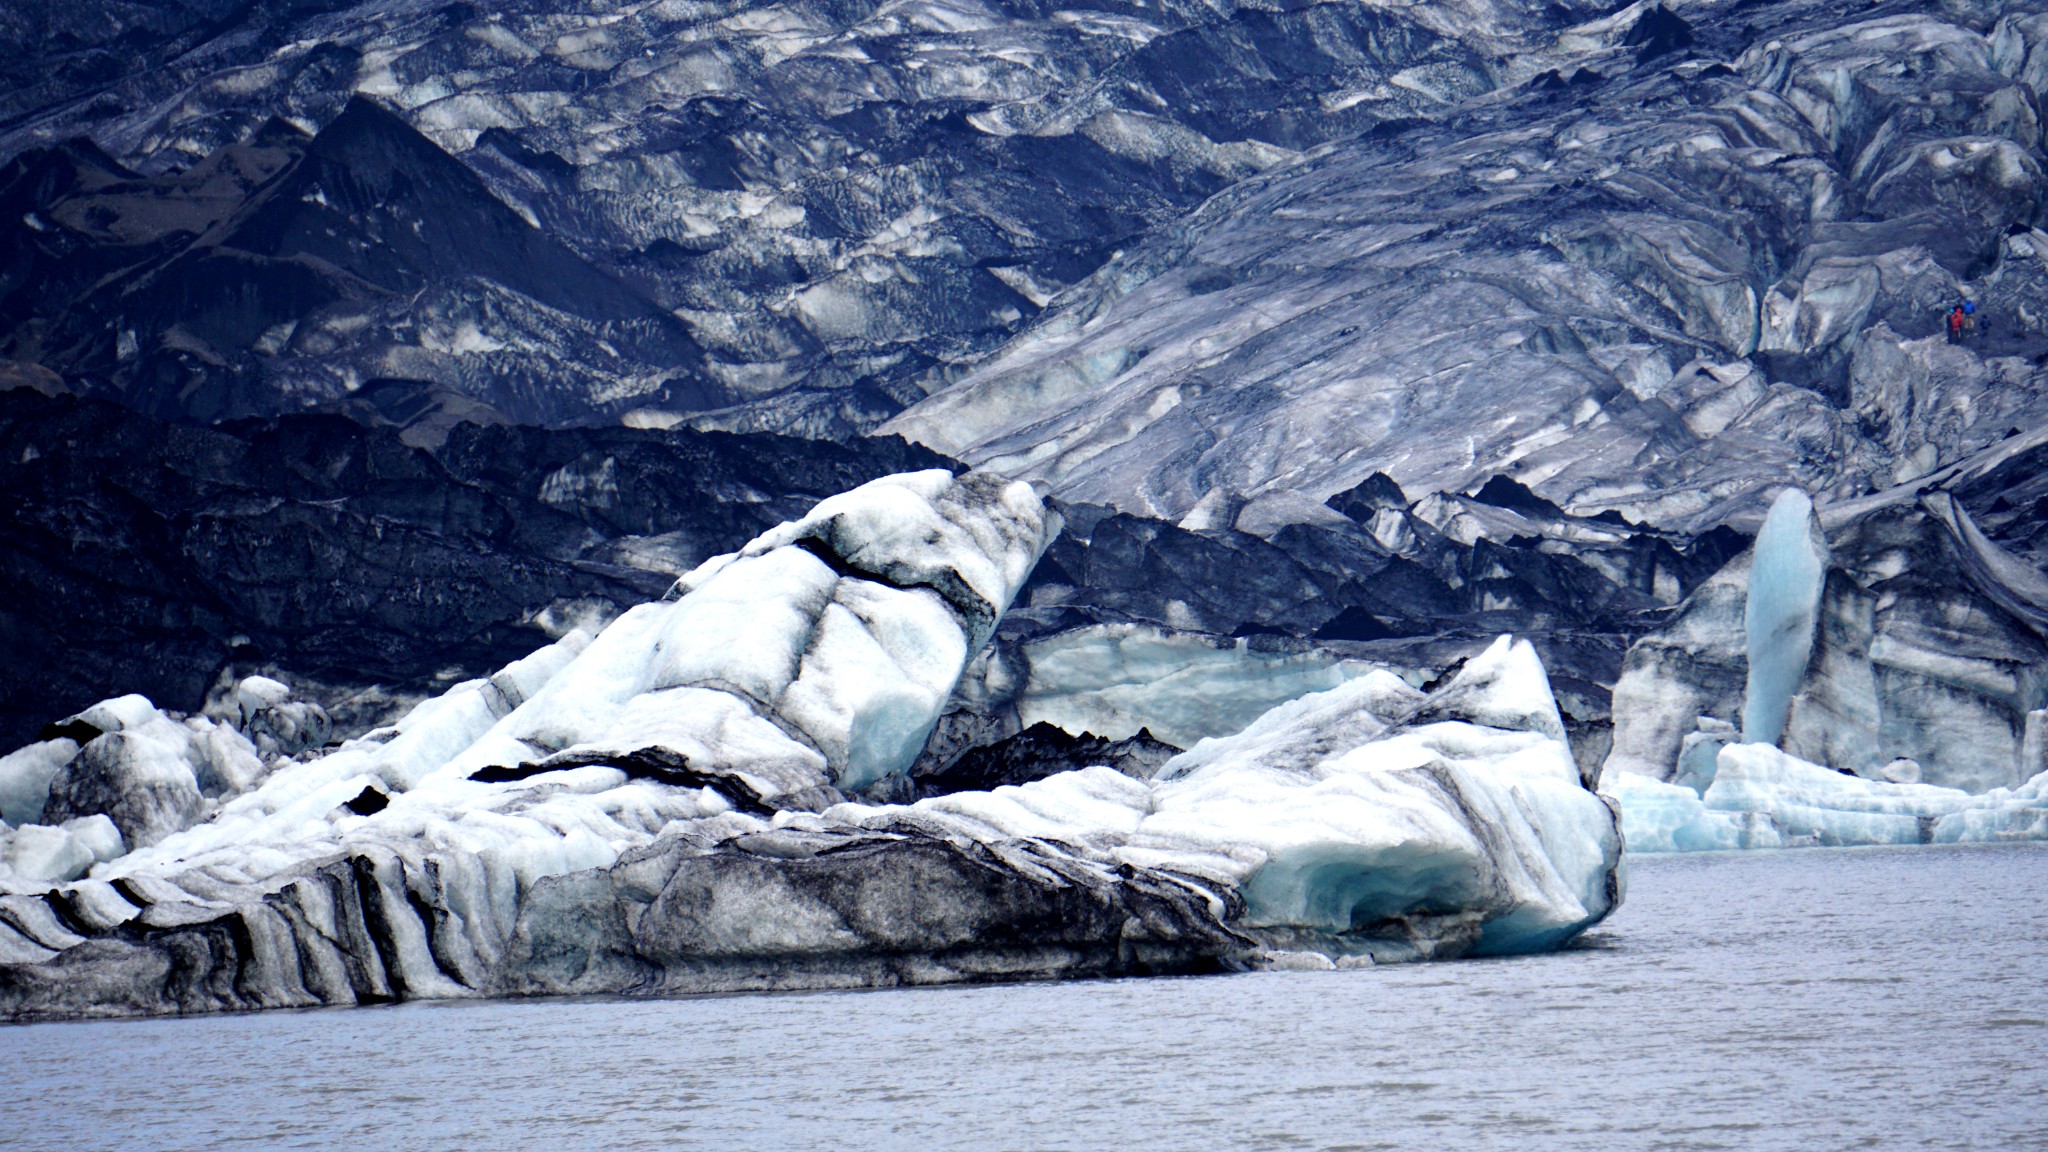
(1861, 998)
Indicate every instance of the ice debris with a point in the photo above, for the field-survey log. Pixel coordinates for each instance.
(1762, 797)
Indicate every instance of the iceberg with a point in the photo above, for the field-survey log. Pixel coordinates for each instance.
(1367, 820)
(690, 801)
(1892, 697)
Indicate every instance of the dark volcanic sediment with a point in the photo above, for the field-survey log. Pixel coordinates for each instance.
(144, 556)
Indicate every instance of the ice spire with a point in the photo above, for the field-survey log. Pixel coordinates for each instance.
(1786, 574)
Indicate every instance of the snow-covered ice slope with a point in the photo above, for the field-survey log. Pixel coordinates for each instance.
(659, 808)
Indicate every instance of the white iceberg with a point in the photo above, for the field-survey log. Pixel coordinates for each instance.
(1368, 819)
(665, 807)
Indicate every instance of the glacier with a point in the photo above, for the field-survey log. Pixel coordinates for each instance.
(1668, 290)
(696, 798)
(793, 215)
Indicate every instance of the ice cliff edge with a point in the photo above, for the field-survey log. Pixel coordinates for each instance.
(684, 803)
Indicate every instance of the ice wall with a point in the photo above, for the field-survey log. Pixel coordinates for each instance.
(1115, 679)
(1786, 576)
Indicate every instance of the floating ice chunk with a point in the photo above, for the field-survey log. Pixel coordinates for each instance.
(1786, 578)
(578, 822)
(1472, 802)
(1762, 797)
(1366, 819)
(1829, 807)
(1660, 817)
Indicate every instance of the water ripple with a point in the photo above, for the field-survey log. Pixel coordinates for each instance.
(1809, 1000)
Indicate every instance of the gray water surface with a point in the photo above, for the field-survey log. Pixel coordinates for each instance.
(1864, 998)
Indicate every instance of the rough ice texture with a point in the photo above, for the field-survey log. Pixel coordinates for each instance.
(125, 774)
(919, 179)
(1764, 798)
(1653, 293)
(1368, 822)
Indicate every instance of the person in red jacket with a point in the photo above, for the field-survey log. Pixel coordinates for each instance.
(1955, 325)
